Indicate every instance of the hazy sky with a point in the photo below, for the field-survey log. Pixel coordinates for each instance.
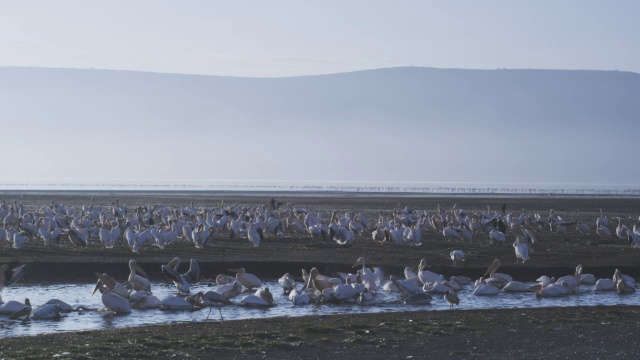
(286, 38)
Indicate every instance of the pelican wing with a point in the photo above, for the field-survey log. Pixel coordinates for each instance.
(194, 271)
(171, 273)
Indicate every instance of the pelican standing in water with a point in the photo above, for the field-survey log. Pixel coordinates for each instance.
(247, 280)
(110, 299)
(182, 281)
(138, 277)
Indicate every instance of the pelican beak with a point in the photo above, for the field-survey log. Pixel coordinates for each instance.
(139, 270)
(96, 287)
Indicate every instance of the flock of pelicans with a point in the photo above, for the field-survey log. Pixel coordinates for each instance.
(361, 287)
(162, 226)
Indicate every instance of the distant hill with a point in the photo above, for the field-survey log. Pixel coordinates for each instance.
(414, 124)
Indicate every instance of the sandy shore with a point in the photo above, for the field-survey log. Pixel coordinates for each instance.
(589, 333)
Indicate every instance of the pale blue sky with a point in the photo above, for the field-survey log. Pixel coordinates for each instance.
(288, 38)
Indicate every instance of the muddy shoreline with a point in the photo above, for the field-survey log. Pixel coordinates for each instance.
(550, 333)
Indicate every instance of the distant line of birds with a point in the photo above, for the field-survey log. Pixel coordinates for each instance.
(161, 225)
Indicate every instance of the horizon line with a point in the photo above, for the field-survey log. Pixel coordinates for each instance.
(312, 75)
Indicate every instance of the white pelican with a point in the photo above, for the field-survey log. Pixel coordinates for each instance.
(23, 312)
(138, 277)
(452, 298)
(366, 275)
(450, 233)
(316, 281)
(253, 235)
(11, 306)
(456, 256)
(287, 282)
(106, 283)
(63, 306)
(247, 280)
(46, 312)
(483, 289)
(177, 303)
(182, 281)
(587, 279)
(555, 290)
(604, 285)
(10, 276)
(628, 280)
(491, 271)
(110, 299)
(144, 300)
(572, 281)
(427, 276)
(261, 298)
(298, 297)
(405, 287)
(229, 291)
(516, 286)
(622, 288)
(497, 236)
(19, 239)
(521, 249)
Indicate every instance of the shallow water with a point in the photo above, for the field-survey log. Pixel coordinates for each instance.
(80, 294)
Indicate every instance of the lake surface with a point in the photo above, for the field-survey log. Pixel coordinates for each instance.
(80, 294)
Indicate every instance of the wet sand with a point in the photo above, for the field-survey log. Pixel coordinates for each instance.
(598, 332)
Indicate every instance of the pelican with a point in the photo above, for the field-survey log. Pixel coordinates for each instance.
(604, 285)
(497, 236)
(452, 299)
(182, 281)
(261, 298)
(47, 312)
(143, 299)
(316, 281)
(587, 279)
(177, 303)
(521, 249)
(110, 299)
(366, 275)
(554, 290)
(365, 299)
(298, 297)
(287, 282)
(138, 277)
(628, 280)
(572, 281)
(405, 287)
(63, 306)
(484, 289)
(622, 288)
(106, 283)
(22, 312)
(229, 291)
(247, 280)
(516, 286)
(11, 307)
(450, 233)
(456, 256)
(491, 271)
(427, 276)
(10, 276)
